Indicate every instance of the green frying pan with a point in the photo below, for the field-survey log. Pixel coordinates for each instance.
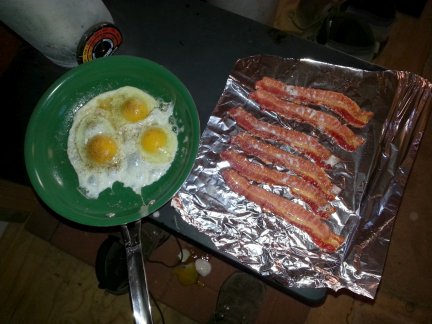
(48, 166)
(53, 176)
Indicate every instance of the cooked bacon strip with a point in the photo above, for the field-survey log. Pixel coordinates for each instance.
(326, 123)
(262, 174)
(335, 101)
(293, 213)
(271, 154)
(299, 141)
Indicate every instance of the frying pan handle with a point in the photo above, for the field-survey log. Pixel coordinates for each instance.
(136, 272)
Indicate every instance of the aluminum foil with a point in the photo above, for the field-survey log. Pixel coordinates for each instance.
(372, 178)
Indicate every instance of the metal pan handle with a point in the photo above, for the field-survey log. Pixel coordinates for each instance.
(136, 272)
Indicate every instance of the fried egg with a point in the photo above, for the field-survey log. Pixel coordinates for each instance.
(129, 105)
(158, 143)
(125, 135)
(96, 141)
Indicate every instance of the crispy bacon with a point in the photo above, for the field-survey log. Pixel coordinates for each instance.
(262, 174)
(299, 141)
(295, 214)
(326, 123)
(335, 101)
(271, 154)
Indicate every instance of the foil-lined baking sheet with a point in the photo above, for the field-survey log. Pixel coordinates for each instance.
(372, 178)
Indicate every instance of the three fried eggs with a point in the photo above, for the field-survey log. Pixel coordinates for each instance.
(123, 135)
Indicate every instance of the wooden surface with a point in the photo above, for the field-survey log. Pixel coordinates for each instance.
(17, 202)
(42, 284)
(409, 45)
(39, 283)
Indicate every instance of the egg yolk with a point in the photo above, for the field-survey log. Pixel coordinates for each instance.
(101, 149)
(153, 140)
(134, 110)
